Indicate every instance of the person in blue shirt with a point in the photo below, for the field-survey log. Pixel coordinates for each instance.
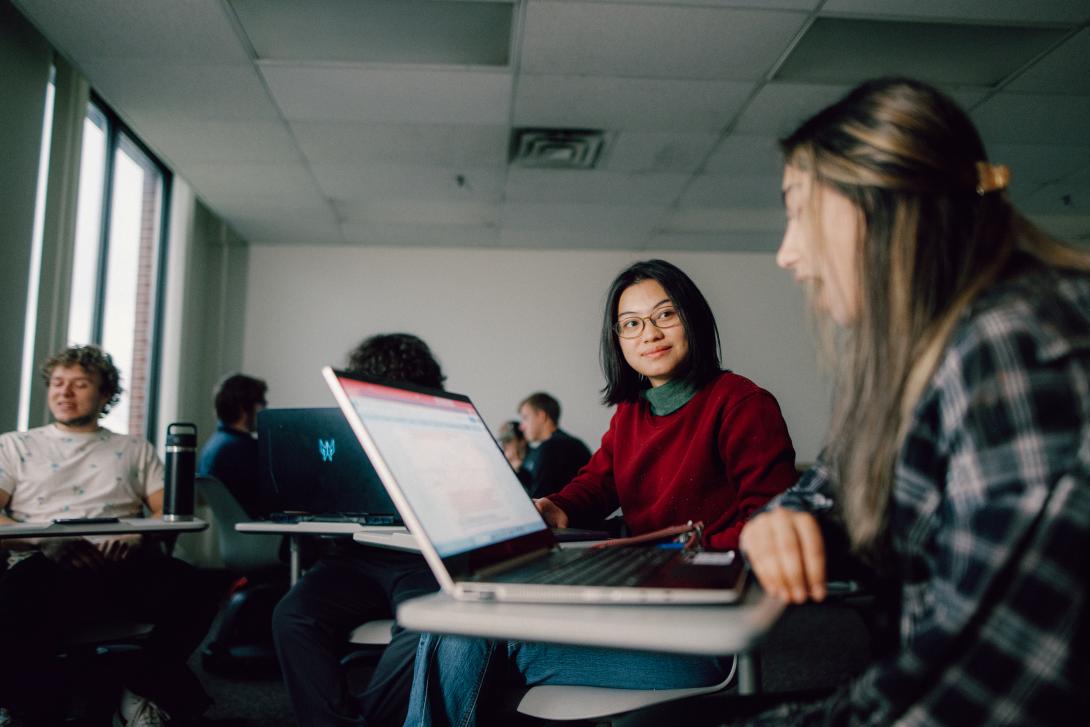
(230, 455)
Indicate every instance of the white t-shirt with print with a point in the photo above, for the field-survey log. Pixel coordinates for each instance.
(50, 473)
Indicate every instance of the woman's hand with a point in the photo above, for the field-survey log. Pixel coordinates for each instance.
(554, 516)
(787, 553)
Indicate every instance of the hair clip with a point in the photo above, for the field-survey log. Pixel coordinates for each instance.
(991, 177)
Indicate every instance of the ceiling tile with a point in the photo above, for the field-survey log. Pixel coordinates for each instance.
(593, 187)
(739, 219)
(175, 91)
(440, 145)
(1032, 165)
(263, 230)
(1037, 11)
(780, 107)
(545, 238)
(387, 95)
(1064, 70)
(1070, 196)
(419, 212)
(606, 39)
(178, 31)
(1073, 229)
(1018, 118)
(214, 180)
(747, 155)
(574, 216)
(761, 4)
(836, 50)
(646, 151)
(378, 31)
(184, 141)
(288, 206)
(627, 104)
(731, 190)
(387, 181)
(418, 235)
(718, 242)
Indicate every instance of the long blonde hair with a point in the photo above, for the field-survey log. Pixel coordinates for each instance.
(906, 156)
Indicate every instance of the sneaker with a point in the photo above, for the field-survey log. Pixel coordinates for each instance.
(147, 714)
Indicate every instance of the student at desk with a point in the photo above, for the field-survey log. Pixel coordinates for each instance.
(688, 441)
(75, 468)
(958, 458)
(353, 584)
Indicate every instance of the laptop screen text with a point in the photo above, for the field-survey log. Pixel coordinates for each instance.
(448, 466)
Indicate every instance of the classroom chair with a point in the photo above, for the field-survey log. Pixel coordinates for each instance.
(602, 705)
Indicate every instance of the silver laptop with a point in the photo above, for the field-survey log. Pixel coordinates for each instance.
(479, 531)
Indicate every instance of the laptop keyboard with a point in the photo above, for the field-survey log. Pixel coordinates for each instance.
(605, 567)
(361, 518)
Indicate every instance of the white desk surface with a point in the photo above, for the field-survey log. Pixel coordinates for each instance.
(125, 525)
(399, 539)
(703, 630)
(314, 528)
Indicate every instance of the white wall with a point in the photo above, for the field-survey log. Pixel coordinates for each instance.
(504, 323)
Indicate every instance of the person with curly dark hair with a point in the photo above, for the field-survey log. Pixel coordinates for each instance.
(397, 357)
(76, 468)
(351, 584)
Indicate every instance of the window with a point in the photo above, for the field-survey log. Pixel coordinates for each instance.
(116, 266)
(30, 372)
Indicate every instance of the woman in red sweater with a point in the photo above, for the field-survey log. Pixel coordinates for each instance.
(688, 441)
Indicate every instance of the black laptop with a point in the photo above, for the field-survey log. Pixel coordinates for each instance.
(312, 468)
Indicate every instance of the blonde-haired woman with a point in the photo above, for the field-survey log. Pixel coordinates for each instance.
(958, 457)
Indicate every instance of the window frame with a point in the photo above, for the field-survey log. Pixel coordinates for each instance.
(115, 128)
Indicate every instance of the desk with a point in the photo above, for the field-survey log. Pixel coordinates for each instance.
(295, 530)
(124, 526)
(700, 630)
(396, 539)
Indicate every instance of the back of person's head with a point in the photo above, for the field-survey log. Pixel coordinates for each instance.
(510, 431)
(95, 362)
(236, 396)
(545, 403)
(936, 229)
(400, 357)
(702, 365)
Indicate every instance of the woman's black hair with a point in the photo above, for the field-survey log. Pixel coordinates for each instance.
(702, 365)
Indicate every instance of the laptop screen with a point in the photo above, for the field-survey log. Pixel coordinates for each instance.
(310, 461)
(447, 465)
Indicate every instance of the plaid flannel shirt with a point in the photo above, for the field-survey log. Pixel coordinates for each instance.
(989, 526)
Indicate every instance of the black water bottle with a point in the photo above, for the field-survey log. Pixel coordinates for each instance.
(181, 464)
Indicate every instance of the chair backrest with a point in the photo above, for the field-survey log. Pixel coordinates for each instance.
(241, 552)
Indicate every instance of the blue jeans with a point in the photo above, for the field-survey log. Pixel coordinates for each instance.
(453, 673)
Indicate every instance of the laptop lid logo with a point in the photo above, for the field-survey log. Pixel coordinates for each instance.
(326, 448)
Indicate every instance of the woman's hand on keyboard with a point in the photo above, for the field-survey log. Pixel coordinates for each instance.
(554, 516)
(787, 553)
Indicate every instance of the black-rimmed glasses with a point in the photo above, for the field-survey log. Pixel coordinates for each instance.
(632, 326)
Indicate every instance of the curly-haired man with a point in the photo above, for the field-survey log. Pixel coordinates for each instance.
(76, 468)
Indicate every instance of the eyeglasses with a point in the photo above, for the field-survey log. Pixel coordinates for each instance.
(632, 326)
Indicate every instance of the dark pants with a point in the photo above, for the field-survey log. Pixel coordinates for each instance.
(41, 604)
(312, 622)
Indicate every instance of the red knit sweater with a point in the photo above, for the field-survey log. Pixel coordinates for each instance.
(718, 458)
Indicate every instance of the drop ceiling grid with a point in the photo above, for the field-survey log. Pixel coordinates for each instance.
(389, 95)
(645, 41)
(439, 145)
(167, 31)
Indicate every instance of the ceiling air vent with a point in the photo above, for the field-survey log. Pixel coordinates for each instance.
(557, 148)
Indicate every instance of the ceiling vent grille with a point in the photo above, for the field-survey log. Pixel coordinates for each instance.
(557, 148)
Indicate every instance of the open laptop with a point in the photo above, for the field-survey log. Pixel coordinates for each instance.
(477, 528)
(311, 468)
